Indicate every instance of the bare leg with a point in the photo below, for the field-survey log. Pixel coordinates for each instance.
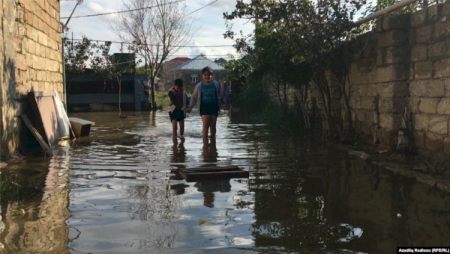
(174, 128)
(212, 125)
(206, 121)
(181, 123)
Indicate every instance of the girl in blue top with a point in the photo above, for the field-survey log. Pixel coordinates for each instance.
(207, 94)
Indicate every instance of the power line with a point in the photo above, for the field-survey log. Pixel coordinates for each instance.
(116, 12)
(202, 7)
(187, 56)
(186, 46)
(150, 7)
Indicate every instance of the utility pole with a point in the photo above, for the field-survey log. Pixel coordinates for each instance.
(63, 30)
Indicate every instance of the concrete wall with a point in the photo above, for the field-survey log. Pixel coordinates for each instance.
(31, 60)
(87, 89)
(405, 62)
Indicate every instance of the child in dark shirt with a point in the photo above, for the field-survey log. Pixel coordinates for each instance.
(178, 102)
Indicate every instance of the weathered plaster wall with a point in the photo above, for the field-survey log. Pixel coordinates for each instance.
(31, 60)
(405, 62)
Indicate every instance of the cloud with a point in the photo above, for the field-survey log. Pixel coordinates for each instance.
(222, 5)
(209, 20)
(96, 8)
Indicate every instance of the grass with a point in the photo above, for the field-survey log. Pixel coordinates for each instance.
(162, 99)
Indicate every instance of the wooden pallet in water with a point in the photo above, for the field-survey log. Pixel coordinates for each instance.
(211, 173)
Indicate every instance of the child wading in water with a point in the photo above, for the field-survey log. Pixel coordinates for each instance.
(178, 102)
(207, 94)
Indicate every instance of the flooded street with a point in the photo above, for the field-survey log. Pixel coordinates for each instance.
(119, 191)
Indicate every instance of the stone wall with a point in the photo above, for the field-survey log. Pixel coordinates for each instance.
(31, 60)
(405, 62)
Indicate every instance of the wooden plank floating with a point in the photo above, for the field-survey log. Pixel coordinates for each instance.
(211, 173)
(80, 126)
(214, 168)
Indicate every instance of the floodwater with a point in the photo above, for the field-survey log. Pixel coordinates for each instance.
(119, 191)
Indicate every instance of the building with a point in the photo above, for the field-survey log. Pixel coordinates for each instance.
(168, 72)
(190, 71)
(90, 92)
(31, 61)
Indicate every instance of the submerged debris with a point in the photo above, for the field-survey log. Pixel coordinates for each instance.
(359, 154)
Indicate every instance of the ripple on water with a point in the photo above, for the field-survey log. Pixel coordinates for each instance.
(125, 194)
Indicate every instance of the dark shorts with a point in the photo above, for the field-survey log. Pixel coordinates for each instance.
(177, 114)
(209, 109)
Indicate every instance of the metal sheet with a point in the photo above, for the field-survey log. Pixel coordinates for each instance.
(51, 123)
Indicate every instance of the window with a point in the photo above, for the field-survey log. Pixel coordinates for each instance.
(194, 78)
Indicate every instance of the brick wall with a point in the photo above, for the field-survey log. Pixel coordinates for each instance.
(405, 62)
(31, 60)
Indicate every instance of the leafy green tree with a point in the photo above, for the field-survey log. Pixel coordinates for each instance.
(108, 68)
(310, 34)
(102, 64)
(237, 69)
(77, 55)
(140, 70)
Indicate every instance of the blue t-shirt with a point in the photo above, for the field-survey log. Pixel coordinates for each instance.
(209, 94)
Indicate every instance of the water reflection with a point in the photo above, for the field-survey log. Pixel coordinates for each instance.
(209, 150)
(126, 196)
(178, 158)
(34, 207)
(178, 150)
(156, 206)
(209, 187)
(210, 154)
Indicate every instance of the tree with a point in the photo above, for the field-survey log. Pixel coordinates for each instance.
(102, 64)
(119, 69)
(77, 56)
(156, 29)
(314, 33)
(108, 67)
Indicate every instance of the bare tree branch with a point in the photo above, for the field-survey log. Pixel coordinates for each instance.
(157, 33)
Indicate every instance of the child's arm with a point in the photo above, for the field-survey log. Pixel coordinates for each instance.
(185, 100)
(194, 97)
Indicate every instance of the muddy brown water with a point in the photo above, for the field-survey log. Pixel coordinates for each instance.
(119, 191)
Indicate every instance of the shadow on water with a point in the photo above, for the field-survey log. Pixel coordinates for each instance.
(124, 194)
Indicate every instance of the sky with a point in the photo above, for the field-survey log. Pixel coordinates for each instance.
(209, 22)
